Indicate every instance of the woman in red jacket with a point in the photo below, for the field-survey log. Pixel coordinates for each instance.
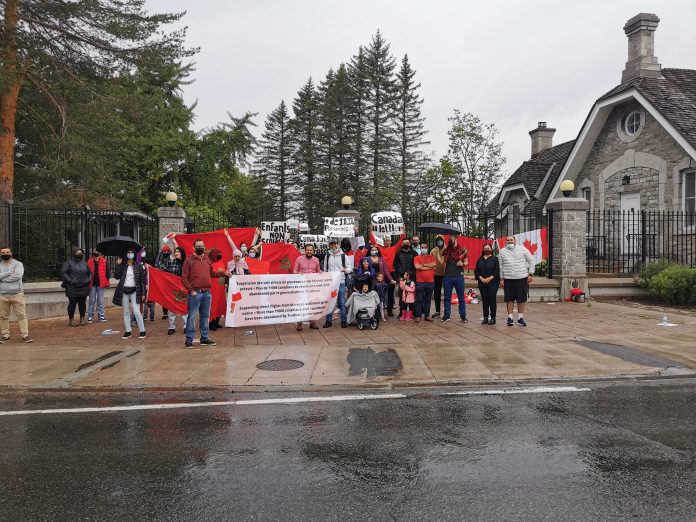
(100, 281)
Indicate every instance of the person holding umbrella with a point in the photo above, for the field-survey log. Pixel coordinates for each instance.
(130, 292)
(76, 277)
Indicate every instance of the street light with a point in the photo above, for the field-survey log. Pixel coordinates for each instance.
(346, 201)
(567, 187)
(171, 198)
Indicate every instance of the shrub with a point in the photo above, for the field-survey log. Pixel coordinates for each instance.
(542, 268)
(675, 285)
(651, 270)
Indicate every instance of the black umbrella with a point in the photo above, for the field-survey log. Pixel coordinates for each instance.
(439, 228)
(118, 245)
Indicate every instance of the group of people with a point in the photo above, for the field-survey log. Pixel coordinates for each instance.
(380, 273)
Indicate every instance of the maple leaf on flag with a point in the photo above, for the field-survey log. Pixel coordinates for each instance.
(532, 247)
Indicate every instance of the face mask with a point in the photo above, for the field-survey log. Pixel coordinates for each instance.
(142, 255)
(78, 256)
(405, 247)
(417, 250)
(487, 252)
(374, 252)
(252, 254)
(244, 250)
(130, 255)
(96, 254)
(510, 246)
(440, 243)
(6, 257)
(200, 250)
(345, 249)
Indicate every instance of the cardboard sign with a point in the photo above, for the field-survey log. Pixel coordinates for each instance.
(321, 243)
(275, 231)
(387, 223)
(339, 227)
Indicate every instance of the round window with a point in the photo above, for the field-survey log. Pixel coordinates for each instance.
(632, 123)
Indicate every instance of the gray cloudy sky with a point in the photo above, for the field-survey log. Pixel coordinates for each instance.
(511, 62)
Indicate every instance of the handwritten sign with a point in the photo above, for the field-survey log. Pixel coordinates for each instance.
(339, 227)
(321, 243)
(275, 231)
(387, 223)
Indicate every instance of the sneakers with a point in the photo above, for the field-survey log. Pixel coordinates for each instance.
(188, 343)
(27, 339)
(126, 335)
(521, 322)
(4, 339)
(510, 321)
(436, 314)
(171, 331)
(344, 324)
(89, 320)
(445, 319)
(208, 342)
(165, 316)
(142, 335)
(464, 319)
(102, 319)
(327, 324)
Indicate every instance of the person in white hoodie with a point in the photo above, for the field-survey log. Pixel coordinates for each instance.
(516, 271)
(336, 260)
(12, 296)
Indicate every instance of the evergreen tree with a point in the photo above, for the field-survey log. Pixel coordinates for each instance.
(357, 126)
(380, 66)
(410, 134)
(274, 160)
(305, 129)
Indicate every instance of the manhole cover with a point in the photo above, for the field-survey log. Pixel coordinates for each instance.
(279, 365)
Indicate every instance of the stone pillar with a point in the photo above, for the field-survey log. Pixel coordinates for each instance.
(568, 243)
(171, 219)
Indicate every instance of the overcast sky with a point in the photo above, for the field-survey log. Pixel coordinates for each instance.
(513, 63)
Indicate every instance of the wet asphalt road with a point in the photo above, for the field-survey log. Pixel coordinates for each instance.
(621, 451)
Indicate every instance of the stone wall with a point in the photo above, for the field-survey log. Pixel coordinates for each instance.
(651, 158)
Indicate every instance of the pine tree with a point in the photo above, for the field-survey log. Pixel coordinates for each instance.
(410, 134)
(357, 125)
(273, 164)
(305, 126)
(380, 65)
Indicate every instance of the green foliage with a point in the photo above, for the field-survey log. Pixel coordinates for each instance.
(676, 285)
(542, 268)
(650, 270)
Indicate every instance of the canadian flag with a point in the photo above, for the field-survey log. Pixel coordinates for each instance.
(536, 241)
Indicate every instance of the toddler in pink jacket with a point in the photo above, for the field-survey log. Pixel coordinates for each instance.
(408, 297)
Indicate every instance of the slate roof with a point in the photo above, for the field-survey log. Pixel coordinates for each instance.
(532, 173)
(673, 95)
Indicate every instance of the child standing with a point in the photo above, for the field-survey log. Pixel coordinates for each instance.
(408, 297)
(382, 287)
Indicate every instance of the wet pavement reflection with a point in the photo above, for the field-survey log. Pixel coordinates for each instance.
(617, 452)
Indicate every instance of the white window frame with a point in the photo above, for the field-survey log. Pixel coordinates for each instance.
(628, 118)
(687, 226)
(516, 213)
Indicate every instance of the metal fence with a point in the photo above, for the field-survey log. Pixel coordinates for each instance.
(621, 242)
(44, 238)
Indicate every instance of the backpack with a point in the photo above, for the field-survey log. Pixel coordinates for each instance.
(348, 277)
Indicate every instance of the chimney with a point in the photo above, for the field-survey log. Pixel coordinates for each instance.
(642, 62)
(542, 138)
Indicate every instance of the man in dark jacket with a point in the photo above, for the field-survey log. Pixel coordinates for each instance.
(404, 262)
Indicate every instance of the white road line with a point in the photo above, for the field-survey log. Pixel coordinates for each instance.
(515, 391)
(135, 407)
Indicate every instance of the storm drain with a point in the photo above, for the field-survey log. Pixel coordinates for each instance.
(280, 365)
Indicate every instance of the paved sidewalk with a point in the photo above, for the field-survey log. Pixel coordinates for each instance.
(397, 353)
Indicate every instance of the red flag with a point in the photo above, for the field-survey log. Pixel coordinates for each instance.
(167, 290)
(256, 266)
(474, 247)
(532, 240)
(280, 257)
(217, 292)
(217, 239)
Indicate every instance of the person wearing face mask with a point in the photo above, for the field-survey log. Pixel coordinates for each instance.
(99, 281)
(12, 296)
(252, 253)
(425, 276)
(338, 260)
(76, 277)
(148, 306)
(130, 291)
(307, 264)
(404, 262)
(197, 274)
(516, 271)
(175, 266)
(243, 249)
(454, 258)
(439, 272)
(163, 258)
(487, 274)
(379, 265)
(388, 253)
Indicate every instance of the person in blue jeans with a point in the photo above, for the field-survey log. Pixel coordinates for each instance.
(336, 260)
(196, 276)
(454, 259)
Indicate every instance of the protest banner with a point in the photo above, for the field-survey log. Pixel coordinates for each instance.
(321, 243)
(387, 223)
(275, 298)
(274, 231)
(339, 227)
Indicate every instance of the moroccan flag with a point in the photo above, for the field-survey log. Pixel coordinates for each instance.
(218, 297)
(257, 266)
(216, 238)
(167, 290)
(536, 241)
(280, 257)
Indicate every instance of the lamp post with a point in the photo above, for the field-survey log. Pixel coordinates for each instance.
(171, 198)
(567, 187)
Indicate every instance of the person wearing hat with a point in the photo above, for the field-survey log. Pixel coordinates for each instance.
(162, 262)
(338, 260)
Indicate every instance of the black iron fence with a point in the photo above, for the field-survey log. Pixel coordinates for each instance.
(43, 238)
(621, 242)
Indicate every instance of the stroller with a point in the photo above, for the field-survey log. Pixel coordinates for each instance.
(364, 320)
